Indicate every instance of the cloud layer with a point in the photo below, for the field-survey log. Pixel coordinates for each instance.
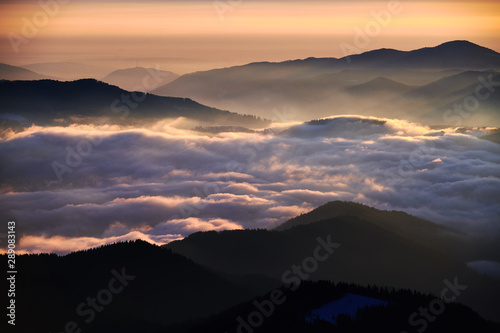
(80, 186)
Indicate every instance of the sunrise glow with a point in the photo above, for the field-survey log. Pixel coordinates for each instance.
(193, 34)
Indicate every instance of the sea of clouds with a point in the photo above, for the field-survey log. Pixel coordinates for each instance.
(80, 186)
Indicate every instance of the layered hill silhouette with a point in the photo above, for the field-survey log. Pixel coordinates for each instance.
(139, 78)
(420, 231)
(216, 281)
(376, 247)
(151, 288)
(9, 72)
(46, 100)
(138, 287)
(378, 83)
(454, 54)
(294, 313)
(443, 101)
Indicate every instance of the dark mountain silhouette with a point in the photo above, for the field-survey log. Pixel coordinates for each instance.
(134, 287)
(139, 78)
(293, 315)
(46, 100)
(454, 54)
(420, 231)
(345, 127)
(159, 288)
(8, 72)
(382, 248)
(373, 59)
(209, 280)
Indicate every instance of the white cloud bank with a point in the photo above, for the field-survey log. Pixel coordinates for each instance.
(162, 183)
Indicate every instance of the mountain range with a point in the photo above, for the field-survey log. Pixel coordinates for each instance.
(54, 101)
(385, 248)
(433, 86)
(382, 83)
(214, 281)
(157, 289)
(8, 72)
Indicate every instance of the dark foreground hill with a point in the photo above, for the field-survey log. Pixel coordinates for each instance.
(375, 247)
(137, 287)
(408, 227)
(291, 312)
(125, 287)
(265, 281)
(45, 101)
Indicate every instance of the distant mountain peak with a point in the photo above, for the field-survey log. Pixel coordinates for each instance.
(463, 45)
(338, 208)
(453, 54)
(460, 42)
(139, 78)
(9, 72)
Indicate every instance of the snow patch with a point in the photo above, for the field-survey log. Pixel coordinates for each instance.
(349, 304)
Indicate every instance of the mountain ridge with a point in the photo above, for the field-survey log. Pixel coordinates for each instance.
(157, 288)
(139, 78)
(9, 72)
(406, 252)
(320, 87)
(152, 289)
(51, 99)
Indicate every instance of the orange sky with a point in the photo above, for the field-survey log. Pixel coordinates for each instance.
(193, 35)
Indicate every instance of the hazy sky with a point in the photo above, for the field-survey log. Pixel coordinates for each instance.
(190, 35)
